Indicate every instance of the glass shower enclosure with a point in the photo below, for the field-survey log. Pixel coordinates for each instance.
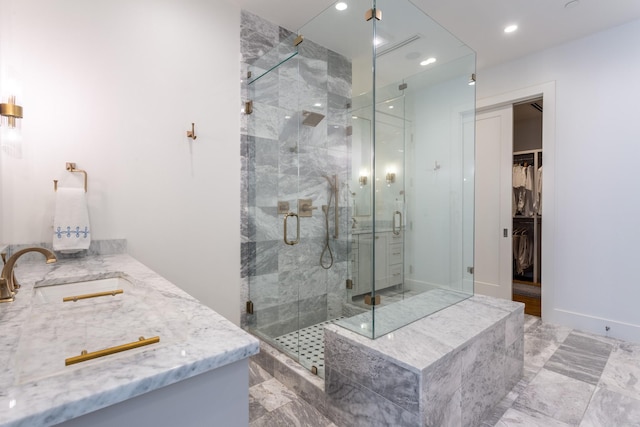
(358, 193)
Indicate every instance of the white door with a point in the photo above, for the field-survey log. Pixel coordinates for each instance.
(493, 217)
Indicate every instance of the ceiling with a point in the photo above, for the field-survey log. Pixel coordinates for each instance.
(479, 24)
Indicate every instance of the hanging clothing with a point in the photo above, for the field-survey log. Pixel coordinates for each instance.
(523, 190)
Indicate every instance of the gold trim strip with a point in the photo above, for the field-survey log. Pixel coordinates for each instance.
(75, 298)
(84, 356)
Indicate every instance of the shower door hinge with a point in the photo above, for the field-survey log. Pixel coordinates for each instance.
(470, 270)
(349, 284)
(298, 40)
(403, 86)
(249, 307)
(373, 12)
(369, 300)
(248, 107)
(248, 74)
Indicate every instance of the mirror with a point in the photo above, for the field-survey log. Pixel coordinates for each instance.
(390, 146)
(361, 179)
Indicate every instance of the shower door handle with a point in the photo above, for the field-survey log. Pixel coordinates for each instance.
(287, 241)
(394, 223)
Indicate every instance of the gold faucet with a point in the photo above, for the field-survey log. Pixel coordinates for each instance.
(8, 282)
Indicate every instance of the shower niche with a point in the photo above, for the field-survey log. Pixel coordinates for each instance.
(358, 151)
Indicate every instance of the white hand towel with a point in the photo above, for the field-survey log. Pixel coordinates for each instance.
(71, 231)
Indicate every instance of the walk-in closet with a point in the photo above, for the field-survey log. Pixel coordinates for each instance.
(527, 204)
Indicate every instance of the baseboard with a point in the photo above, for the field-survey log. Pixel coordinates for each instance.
(597, 325)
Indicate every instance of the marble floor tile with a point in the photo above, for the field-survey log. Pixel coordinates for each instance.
(540, 342)
(256, 410)
(580, 357)
(514, 417)
(531, 322)
(622, 372)
(608, 408)
(257, 375)
(272, 394)
(295, 413)
(549, 394)
(557, 396)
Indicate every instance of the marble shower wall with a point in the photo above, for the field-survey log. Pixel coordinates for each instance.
(284, 160)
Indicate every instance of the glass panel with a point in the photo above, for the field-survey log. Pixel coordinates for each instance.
(378, 166)
(348, 36)
(423, 102)
(273, 130)
(271, 60)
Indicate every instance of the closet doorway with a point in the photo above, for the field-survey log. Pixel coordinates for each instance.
(526, 207)
(508, 241)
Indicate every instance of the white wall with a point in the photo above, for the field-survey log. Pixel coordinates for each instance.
(114, 86)
(436, 236)
(592, 282)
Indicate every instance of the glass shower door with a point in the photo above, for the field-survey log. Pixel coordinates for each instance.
(273, 122)
(297, 201)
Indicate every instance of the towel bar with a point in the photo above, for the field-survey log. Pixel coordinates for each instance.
(71, 167)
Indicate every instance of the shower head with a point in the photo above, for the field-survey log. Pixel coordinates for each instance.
(311, 119)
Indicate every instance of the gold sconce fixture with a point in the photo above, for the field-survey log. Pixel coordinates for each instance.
(391, 178)
(192, 133)
(9, 112)
(362, 180)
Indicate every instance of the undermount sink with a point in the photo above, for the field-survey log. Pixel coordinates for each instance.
(57, 292)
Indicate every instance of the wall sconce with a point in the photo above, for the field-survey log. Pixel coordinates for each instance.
(9, 112)
(362, 180)
(472, 79)
(391, 178)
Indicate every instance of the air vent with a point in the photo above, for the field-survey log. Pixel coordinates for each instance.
(399, 45)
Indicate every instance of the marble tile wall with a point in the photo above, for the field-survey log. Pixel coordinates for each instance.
(284, 160)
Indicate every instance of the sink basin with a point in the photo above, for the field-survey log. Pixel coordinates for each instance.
(56, 292)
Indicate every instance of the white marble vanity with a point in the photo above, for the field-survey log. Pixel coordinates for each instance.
(197, 374)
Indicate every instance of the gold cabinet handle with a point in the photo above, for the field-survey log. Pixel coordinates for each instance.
(286, 240)
(75, 298)
(84, 356)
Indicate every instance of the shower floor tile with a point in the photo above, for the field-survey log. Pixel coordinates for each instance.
(307, 345)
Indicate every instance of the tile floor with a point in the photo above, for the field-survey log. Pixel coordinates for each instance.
(570, 379)
(310, 343)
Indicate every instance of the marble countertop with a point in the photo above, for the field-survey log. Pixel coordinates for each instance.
(36, 388)
(424, 341)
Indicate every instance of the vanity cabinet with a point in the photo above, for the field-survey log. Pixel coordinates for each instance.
(389, 266)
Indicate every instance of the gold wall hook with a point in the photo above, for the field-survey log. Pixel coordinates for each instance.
(192, 133)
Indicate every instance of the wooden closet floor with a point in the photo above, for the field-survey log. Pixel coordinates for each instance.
(532, 305)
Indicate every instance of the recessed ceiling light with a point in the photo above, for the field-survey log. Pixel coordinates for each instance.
(341, 5)
(571, 4)
(428, 61)
(510, 28)
(317, 104)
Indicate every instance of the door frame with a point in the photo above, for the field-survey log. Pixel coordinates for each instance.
(548, 93)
